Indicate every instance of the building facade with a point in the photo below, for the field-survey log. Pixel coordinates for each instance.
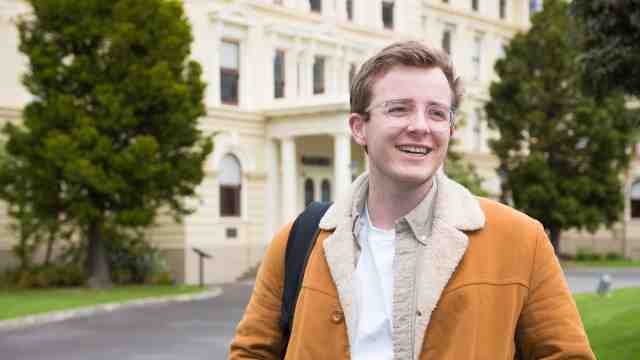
(279, 73)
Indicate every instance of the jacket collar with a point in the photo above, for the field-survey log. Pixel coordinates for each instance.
(454, 205)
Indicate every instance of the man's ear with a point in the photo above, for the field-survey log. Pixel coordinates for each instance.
(358, 131)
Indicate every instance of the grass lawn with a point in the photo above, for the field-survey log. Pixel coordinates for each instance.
(15, 303)
(613, 323)
(622, 263)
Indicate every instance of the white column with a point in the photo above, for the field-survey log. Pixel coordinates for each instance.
(289, 179)
(341, 163)
(291, 74)
(341, 10)
(306, 73)
(272, 213)
(213, 89)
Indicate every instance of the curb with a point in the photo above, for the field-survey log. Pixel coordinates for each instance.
(601, 270)
(57, 316)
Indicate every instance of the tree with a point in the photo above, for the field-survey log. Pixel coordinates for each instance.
(563, 151)
(111, 135)
(610, 41)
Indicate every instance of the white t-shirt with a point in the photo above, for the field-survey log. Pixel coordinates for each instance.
(373, 293)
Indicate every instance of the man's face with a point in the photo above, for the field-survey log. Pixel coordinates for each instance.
(405, 151)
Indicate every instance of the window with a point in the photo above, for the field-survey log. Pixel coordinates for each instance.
(477, 130)
(387, 14)
(535, 6)
(446, 40)
(229, 72)
(318, 75)
(475, 5)
(349, 5)
(503, 9)
(475, 58)
(230, 186)
(278, 74)
(325, 187)
(445, 1)
(309, 192)
(315, 5)
(635, 199)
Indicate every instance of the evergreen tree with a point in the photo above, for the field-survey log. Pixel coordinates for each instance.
(111, 135)
(563, 151)
(610, 38)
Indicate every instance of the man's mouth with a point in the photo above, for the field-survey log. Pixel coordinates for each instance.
(415, 150)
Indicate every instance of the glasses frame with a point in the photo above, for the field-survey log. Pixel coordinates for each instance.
(384, 104)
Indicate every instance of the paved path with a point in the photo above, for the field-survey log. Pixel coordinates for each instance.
(192, 331)
(196, 330)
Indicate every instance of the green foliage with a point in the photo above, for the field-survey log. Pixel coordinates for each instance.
(610, 40)
(43, 276)
(563, 151)
(463, 172)
(111, 135)
(132, 260)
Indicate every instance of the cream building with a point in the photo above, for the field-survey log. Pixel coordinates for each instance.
(279, 75)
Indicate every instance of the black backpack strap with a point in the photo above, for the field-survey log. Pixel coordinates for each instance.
(302, 237)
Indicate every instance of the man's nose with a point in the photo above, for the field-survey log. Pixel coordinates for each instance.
(419, 122)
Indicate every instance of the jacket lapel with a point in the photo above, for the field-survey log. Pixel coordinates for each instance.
(340, 247)
(456, 209)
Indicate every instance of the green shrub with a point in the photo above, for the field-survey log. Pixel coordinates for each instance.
(44, 276)
(612, 255)
(161, 278)
(584, 254)
(132, 260)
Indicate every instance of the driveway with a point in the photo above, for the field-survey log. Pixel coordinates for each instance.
(192, 331)
(196, 330)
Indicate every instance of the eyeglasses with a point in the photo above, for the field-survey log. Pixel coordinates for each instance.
(439, 117)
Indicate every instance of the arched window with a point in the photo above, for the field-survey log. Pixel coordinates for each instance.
(230, 181)
(326, 190)
(309, 192)
(635, 199)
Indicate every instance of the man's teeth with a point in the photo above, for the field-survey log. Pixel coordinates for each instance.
(415, 149)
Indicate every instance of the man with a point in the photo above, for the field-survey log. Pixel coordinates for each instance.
(409, 264)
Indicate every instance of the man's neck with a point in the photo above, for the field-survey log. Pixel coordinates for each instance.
(389, 202)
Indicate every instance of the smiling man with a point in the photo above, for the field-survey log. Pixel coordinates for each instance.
(409, 264)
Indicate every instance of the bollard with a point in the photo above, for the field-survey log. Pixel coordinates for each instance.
(201, 256)
(604, 285)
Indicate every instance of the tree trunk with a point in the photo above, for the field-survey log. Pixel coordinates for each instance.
(97, 265)
(47, 257)
(554, 236)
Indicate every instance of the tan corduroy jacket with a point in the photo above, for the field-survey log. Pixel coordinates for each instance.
(476, 280)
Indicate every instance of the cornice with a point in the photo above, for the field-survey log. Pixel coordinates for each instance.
(496, 24)
(306, 109)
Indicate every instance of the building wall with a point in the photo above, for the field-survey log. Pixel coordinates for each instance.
(250, 130)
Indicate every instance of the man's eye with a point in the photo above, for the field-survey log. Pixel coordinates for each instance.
(398, 110)
(438, 114)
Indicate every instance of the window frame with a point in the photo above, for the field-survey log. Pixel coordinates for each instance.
(315, 9)
(390, 6)
(319, 78)
(279, 85)
(502, 9)
(447, 45)
(230, 194)
(234, 73)
(634, 203)
(325, 190)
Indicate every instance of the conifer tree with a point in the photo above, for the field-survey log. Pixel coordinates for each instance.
(111, 134)
(563, 151)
